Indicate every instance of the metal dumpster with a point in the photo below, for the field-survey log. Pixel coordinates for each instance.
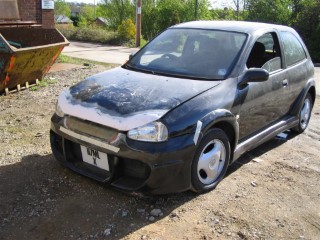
(26, 54)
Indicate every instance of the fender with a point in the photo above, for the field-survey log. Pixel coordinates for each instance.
(297, 105)
(223, 119)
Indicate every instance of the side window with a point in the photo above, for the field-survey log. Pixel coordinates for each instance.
(293, 50)
(265, 53)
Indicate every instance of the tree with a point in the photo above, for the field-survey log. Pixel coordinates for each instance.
(61, 8)
(270, 11)
(224, 14)
(87, 12)
(239, 5)
(117, 10)
(86, 17)
(172, 12)
(203, 12)
(149, 19)
(307, 23)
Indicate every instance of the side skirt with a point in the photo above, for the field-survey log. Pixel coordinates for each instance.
(265, 135)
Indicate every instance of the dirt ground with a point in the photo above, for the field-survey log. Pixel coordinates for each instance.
(272, 192)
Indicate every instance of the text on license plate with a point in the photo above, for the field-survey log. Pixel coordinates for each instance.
(94, 157)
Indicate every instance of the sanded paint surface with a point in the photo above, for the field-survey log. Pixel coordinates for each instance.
(124, 99)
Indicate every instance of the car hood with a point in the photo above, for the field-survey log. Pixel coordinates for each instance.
(124, 99)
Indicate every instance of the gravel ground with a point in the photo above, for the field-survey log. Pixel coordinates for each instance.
(272, 192)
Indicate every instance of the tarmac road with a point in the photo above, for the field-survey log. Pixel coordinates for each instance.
(99, 52)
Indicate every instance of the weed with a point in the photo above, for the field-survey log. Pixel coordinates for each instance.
(34, 88)
(79, 61)
(43, 83)
(51, 81)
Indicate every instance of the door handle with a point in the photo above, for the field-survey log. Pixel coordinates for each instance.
(285, 83)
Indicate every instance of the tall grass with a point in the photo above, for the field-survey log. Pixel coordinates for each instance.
(88, 34)
(97, 35)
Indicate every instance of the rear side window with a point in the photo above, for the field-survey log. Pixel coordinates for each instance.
(293, 49)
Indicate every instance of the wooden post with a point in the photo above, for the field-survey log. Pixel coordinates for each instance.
(196, 6)
(138, 23)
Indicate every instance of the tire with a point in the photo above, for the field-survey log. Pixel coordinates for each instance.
(211, 161)
(304, 114)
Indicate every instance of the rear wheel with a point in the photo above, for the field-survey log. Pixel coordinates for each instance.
(304, 115)
(211, 161)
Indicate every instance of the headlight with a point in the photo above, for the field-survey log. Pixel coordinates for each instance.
(59, 111)
(151, 132)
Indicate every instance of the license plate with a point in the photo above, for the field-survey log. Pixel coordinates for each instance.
(94, 157)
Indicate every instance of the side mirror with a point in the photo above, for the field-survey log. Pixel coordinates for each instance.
(254, 75)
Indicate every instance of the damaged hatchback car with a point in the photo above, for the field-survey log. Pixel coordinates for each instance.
(186, 106)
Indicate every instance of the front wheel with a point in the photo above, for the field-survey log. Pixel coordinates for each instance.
(211, 161)
(304, 115)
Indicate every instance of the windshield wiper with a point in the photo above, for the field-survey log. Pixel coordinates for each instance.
(185, 76)
(127, 66)
(177, 75)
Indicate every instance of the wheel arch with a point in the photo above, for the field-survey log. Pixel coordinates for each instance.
(224, 120)
(312, 91)
(309, 88)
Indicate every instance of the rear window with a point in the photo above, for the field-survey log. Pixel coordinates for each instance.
(293, 50)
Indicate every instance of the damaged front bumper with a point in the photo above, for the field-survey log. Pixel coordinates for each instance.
(133, 166)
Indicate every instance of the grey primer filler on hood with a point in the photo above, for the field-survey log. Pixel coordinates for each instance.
(124, 99)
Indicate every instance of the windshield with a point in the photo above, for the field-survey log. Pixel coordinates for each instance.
(192, 53)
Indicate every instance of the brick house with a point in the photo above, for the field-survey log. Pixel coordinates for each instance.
(20, 12)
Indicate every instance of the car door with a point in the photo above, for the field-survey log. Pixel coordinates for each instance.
(264, 102)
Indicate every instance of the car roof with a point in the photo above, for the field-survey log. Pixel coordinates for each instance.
(235, 26)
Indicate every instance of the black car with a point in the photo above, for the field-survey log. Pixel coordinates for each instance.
(186, 106)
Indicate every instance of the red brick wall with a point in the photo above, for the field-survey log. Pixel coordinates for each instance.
(30, 10)
(47, 18)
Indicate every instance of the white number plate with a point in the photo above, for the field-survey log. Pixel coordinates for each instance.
(94, 157)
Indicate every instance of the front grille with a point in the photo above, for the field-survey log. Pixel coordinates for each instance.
(92, 129)
(131, 174)
(135, 169)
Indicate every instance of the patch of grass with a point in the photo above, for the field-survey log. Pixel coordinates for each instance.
(43, 83)
(34, 88)
(51, 81)
(79, 61)
(13, 130)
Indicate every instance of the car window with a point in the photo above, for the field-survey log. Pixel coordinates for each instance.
(265, 53)
(191, 53)
(293, 49)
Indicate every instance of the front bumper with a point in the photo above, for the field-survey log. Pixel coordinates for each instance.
(134, 166)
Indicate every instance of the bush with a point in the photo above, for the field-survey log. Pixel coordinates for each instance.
(143, 42)
(87, 34)
(99, 35)
(127, 30)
